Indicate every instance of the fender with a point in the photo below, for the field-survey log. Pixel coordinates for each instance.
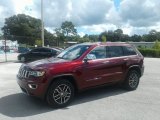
(134, 66)
(63, 75)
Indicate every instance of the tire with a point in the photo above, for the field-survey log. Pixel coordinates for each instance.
(22, 59)
(60, 93)
(132, 80)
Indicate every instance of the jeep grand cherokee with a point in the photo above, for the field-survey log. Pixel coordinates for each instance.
(79, 67)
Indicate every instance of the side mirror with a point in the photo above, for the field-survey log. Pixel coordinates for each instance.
(89, 57)
(85, 60)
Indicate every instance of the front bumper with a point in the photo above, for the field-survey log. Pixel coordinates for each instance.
(32, 88)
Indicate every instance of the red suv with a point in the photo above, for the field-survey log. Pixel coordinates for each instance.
(80, 67)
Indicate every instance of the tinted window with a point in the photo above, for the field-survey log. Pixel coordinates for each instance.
(97, 53)
(115, 51)
(45, 50)
(35, 50)
(41, 50)
(55, 52)
(128, 51)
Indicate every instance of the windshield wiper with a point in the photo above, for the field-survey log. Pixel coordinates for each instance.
(60, 57)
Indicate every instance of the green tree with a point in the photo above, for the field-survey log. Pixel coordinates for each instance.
(38, 42)
(136, 38)
(1, 36)
(93, 38)
(118, 34)
(158, 36)
(125, 38)
(59, 36)
(104, 39)
(102, 35)
(85, 38)
(66, 32)
(152, 36)
(68, 29)
(119, 31)
(25, 29)
(113, 36)
(49, 39)
(110, 36)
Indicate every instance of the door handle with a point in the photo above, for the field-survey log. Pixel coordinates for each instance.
(106, 62)
(125, 59)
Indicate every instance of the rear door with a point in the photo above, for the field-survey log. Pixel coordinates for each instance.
(117, 63)
(132, 57)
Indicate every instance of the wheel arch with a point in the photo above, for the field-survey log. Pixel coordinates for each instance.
(136, 68)
(68, 77)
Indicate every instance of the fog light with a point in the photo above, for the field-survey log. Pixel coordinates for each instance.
(32, 86)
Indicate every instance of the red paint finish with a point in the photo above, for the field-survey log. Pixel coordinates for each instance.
(85, 74)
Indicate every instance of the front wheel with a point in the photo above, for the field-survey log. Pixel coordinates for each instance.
(132, 80)
(60, 93)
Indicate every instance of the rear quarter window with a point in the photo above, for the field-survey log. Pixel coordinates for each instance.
(129, 50)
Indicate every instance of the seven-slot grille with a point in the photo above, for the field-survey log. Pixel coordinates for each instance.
(23, 73)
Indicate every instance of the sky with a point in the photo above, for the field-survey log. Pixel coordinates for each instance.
(90, 16)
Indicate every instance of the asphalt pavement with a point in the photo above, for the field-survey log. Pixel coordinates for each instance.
(107, 103)
(8, 57)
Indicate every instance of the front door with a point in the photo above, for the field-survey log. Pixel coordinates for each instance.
(95, 69)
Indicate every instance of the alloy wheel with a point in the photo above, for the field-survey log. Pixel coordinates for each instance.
(62, 94)
(133, 80)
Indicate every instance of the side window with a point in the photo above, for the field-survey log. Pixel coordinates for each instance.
(42, 50)
(115, 51)
(46, 50)
(97, 53)
(128, 51)
(35, 50)
(54, 51)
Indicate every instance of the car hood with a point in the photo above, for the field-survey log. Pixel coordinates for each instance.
(44, 63)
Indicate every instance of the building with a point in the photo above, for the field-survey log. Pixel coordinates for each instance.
(143, 44)
(70, 43)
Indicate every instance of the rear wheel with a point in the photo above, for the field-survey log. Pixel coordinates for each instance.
(132, 80)
(60, 93)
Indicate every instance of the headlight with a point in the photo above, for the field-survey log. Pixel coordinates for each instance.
(36, 73)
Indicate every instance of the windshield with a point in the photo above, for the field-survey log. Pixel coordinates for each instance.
(73, 52)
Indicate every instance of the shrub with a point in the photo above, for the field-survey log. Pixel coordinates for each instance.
(156, 45)
(149, 52)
